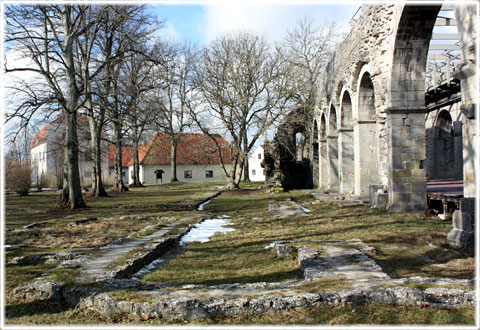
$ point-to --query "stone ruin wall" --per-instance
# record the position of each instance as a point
(368, 47)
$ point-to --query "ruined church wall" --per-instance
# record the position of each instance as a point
(367, 48)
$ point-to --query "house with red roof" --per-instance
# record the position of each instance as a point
(198, 159)
(46, 153)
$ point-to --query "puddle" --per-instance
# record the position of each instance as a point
(148, 268)
(201, 206)
(206, 229)
(304, 209)
(200, 233)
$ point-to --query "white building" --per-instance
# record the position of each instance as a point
(257, 172)
(46, 154)
(197, 159)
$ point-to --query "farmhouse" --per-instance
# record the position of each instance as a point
(196, 154)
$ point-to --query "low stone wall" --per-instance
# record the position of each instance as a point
(193, 309)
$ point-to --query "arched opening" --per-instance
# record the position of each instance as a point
(365, 135)
(332, 150)
(316, 153)
(322, 140)
(444, 148)
(301, 151)
(345, 143)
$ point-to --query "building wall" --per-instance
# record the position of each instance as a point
(38, 156)
(381, 63)
(257, 172)
(147, 173)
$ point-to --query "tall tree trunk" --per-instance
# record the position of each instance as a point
(173, 160)
(136, 162)
(72, 191)
(246, 175)
(119, 184)
(98, 190)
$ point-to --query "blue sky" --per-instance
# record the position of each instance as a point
(203, 22)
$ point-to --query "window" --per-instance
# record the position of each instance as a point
(254, 172)
(209, 174)
(259, 156)
(187, 174)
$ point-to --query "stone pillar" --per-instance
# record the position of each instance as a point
(345, 160)
(462, 232)
(323, 179)
(316, 164)
(366, 158)
(407, 189)
(467, 22)
(332, 172)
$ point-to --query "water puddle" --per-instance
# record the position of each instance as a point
(206, 229)
(200, 233)
(148, 268)
(201, 206)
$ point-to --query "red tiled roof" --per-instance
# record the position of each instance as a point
(39, 138)
(127, 155)
(192, 149)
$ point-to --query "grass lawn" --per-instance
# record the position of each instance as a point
(402, 241)
(169, 201)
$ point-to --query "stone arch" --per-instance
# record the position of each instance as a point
(412, 39)
(346, 145)
(406, 112)
(332, 150)
(322, 140)
(444, 121)
(445, 156)
(365, 133)
(346, 108)
(366, 98)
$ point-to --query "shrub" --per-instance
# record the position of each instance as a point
(18, 176)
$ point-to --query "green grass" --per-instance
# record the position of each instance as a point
(238, 256)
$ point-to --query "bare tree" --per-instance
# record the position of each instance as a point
(47, 35)
(137, 73)
(244, 89)
(174, 92)
(305, 49)
(125, 32)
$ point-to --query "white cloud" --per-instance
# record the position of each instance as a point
(169, 32)
(271, 20)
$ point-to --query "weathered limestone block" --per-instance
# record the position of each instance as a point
(444, 296)
(406, 296)
(40, 290)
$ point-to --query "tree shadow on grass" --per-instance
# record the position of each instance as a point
(35, 307)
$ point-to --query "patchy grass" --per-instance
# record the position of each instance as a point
(132, 296)
(60, 234)
(240, 256)
(358, 314)
(402, 242)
